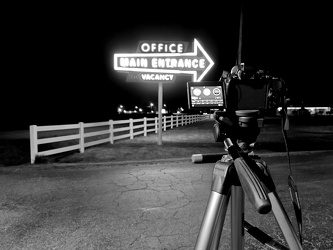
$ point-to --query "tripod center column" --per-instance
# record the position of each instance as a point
(237, 218)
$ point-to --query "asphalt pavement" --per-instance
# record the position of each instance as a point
(156, 205)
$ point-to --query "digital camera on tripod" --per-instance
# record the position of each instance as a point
(240, 100)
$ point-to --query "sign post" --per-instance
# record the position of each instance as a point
(160, 104)
(159, 62)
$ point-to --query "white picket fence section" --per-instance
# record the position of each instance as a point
(82, 135)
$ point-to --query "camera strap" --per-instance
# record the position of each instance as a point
(291, 183)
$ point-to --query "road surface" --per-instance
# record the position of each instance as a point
(150, 205)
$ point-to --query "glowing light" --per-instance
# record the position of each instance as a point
(167, 60)
(162, 47)
(157, 77)
(312, 110)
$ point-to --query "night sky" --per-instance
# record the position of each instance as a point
(57, 59)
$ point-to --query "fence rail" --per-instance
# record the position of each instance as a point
(55, 139)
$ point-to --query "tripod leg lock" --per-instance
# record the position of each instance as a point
(221, 180)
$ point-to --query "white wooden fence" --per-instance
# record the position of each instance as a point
(62, 138)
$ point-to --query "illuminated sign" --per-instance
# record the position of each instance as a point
(161, 61)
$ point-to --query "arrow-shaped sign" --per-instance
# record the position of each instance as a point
(196, 63)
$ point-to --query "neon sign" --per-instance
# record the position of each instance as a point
(161, 61)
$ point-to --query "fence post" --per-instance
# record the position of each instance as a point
(164, 121)
(171, 121)
(81, 132)
(145, 126)
(131, 128)
(33, 143)
(177, 121)
(156, 129)
(111, 131)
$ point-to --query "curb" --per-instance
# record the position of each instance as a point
(205, 158)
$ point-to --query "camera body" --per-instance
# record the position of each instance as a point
(232, 95)
(240, 100)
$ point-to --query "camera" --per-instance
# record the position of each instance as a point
(240, 101)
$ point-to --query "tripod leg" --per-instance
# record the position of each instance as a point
(212, 223)
(219, 225)
(213, 220)
(284, 222)
(237, 218)
(277, 208)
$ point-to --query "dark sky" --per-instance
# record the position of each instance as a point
(56, 58)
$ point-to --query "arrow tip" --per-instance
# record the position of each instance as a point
(211, 63)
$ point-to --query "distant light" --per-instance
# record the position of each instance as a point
(312, 110)
(293, 108)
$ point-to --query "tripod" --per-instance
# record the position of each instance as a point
(235, 175)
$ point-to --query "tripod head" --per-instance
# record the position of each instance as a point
(242, 128)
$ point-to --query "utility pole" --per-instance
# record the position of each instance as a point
(240, 37)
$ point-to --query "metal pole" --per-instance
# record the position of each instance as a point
(240, 38)
(284, 222)
(207, 234)
(160, 103)
(237, 218)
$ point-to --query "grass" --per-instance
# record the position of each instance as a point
(14, 152)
